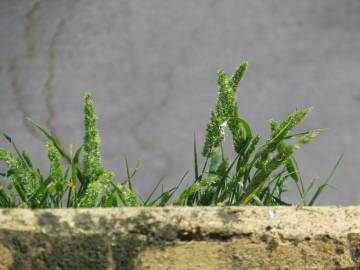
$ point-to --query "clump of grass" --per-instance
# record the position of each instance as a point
(257, 175)
(77, 180)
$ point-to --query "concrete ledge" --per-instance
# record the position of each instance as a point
(181, 238)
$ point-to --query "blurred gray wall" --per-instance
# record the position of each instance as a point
(152, 68)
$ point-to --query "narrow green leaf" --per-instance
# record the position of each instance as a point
(128, 173)
(75, 174)
(27, 159)
(154, 189)
(5, 201)
(196, 167)
(13, 144)
(293, 168)
(53, 139)
(325, 184)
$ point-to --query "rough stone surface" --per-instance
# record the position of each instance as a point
(181, 238)
(152, 68)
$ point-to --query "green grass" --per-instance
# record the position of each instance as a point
(258, 175)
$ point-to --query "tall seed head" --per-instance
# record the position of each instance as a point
(214, 133)
(55, 164)
(226, 111)
(239, 73)
(92, 161)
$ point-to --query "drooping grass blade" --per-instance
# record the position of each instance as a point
(53, 139)
(154, 189)
(196, 167)
(325, 184)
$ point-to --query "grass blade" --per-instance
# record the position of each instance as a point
(154, 189)
(165, 196)
(13, 144)
(196, 167)
(53, 139)
(325, 184)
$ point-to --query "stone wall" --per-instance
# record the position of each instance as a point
(181, 238)
(152, 68)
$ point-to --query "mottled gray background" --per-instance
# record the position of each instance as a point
(152, 68)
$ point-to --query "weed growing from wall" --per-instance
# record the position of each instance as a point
(258, 174)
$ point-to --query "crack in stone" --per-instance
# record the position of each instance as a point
(135, 125)
(30, 21)
(12, 71)
(165, 100)
(49, 88)
(49, 84)
(197, 235)
(20, 102)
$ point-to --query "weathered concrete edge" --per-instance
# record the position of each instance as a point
(181, 238)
